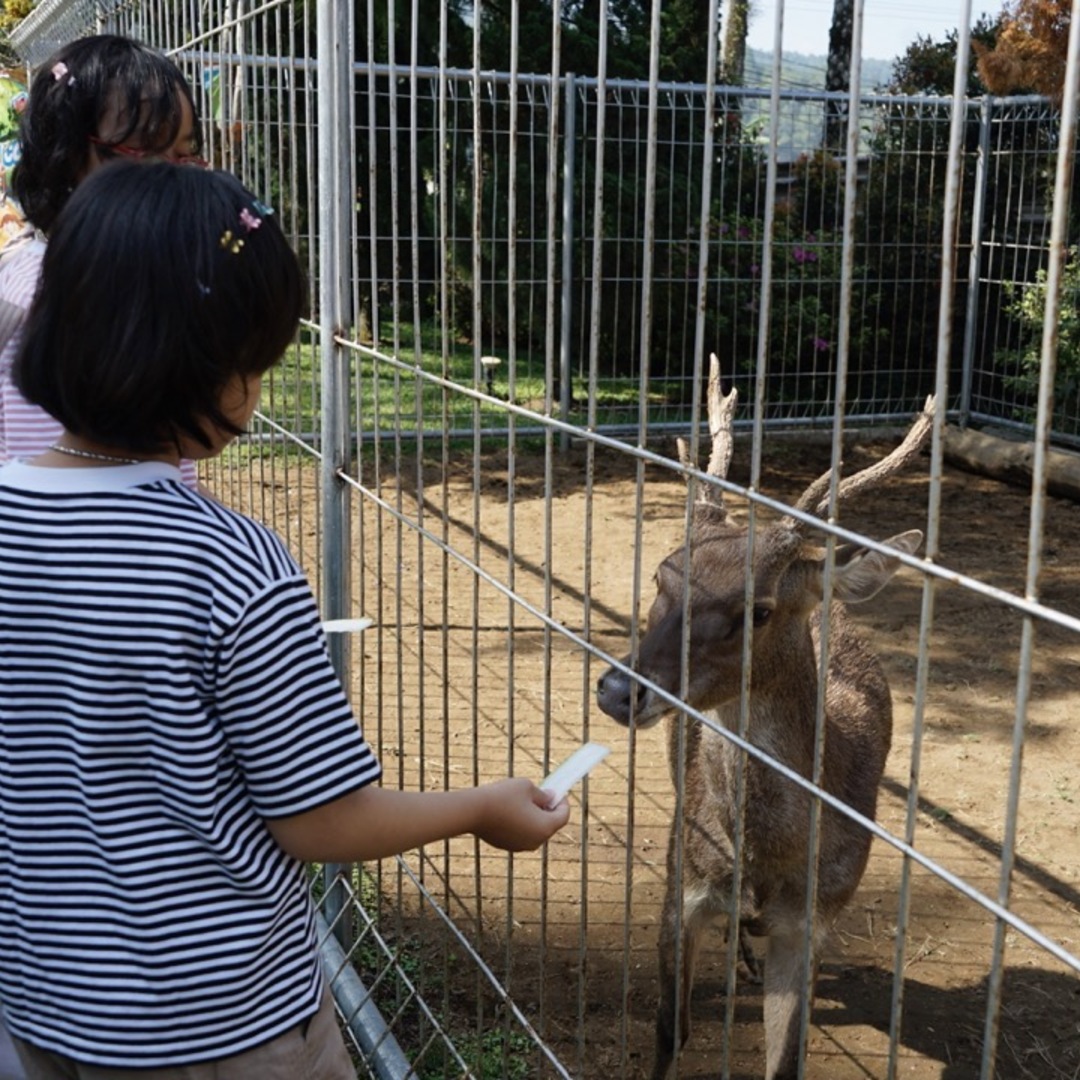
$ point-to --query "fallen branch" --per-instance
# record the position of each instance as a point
(1011, 462)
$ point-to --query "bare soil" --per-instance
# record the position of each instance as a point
(571, 932)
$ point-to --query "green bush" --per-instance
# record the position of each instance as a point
(1022, 365)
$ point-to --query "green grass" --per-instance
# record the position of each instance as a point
(494, 1054)
(396, 397)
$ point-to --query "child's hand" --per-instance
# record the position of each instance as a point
(516, 817)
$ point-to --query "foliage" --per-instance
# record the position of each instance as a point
(1029, 55)
(497, 1054)
(1020, 50)
(12, 12)
(806, 289)
(737, 191)
(904, 197)
(928, 66)
(903, 203)
(683, 45)
(838, 74)
(421, 38)
(1023, 365)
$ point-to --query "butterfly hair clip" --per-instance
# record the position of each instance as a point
(251, 218)
(60, 72)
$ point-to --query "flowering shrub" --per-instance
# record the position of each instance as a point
(804, 309)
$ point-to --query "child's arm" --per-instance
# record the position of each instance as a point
(376, 822)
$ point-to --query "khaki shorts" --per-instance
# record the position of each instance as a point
(313, 1050)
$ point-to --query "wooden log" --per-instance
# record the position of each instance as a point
(1010, 461)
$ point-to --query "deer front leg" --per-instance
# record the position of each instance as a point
(785, 985)
(694, 899)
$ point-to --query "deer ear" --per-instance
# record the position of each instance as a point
(862, 574)
(669, 574)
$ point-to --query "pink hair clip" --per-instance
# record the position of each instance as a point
(59, 70)
(249, 220)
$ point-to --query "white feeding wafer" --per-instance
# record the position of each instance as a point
(346, 626)
(573, 769)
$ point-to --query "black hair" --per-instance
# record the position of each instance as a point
(160, 284)
(71, 94)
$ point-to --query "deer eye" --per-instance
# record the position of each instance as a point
(759, 616)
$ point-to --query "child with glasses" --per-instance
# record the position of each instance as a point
(173, 738)
(94, 100)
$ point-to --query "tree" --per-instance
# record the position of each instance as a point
(684, 37)
(12, 12)
(928, 66)
(733, 64)
(838, 72)
(1029, 56)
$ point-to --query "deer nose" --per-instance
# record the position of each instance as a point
(613, 694)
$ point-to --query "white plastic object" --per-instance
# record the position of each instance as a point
(573, 769)
(346, 626)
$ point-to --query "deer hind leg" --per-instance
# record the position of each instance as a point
(785, 985)
(698, 909)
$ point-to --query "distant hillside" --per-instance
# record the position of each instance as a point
(801, 120)
(801, 72)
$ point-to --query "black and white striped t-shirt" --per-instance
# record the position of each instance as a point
(164, 689)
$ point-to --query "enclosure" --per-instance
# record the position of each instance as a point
(517, 279)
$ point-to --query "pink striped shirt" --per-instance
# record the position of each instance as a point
(27, 430)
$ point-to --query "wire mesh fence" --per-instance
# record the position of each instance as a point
(477, 453)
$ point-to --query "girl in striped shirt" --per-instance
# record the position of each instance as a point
(174, 742)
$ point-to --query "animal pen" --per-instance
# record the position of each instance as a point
(517, 280)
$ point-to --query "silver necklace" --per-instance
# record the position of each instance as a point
(91, 456)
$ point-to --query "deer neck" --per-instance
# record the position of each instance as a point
(783, 694)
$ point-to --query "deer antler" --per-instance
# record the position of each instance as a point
(721, 428)
(814, 499)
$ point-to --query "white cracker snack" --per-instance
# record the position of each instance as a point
(573, 769)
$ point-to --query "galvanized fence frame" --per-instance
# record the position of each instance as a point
(379, 516)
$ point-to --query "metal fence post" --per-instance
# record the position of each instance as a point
(334, 73)
(566, 326)
(978, 212)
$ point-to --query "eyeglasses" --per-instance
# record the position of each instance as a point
(149, 155)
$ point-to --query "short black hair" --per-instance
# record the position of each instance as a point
(70, 95)
(160, 284)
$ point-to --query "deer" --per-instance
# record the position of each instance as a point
(788, 574)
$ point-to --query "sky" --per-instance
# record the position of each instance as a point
(889, 26)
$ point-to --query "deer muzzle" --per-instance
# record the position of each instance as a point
(622, 697)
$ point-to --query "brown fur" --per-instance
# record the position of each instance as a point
(781, 721)
(787, 576)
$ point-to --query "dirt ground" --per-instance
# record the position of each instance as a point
(571, 932)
